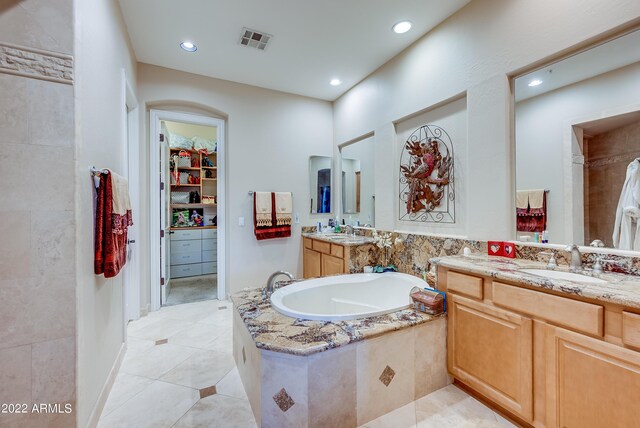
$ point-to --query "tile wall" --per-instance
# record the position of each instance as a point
(37, 215)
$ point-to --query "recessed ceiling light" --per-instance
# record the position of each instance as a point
(535, 82)
(402, 27)
(335, 82)
(188, 46)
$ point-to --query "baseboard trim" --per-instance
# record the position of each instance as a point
(144, 311)
(106, 388)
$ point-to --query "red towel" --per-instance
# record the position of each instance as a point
(110, 241)
(532, 219)
(269, 232)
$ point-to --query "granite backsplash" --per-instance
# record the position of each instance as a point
(413, 254)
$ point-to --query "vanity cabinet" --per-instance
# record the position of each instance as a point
(549, 359)
(590, 383)
(321, 258)
(491, 350)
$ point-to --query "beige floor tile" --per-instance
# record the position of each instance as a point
(218, 411)
(159, 405)
(136, 346)
(157, 361)
(124, 388)
(200, 370)
(404, 417)
(231, 385)
(162, 328)
(197, 336)
(192, 312)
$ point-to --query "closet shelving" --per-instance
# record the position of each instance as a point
(207, 185)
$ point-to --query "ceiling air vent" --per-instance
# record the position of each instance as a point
(254, 39)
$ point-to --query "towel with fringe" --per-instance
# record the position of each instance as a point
(263, 208)
(531, 210)
(273, 230)
(111, 227)
(283, 208)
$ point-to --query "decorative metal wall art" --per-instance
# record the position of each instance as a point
(426, 187)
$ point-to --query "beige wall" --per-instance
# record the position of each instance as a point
(102, 53)
(270, 136)
(472, 52)
(37, 213)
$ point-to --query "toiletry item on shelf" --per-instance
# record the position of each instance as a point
(429, 300)
(337, 228)
(536, 237)
(368, 269)
(331, 222)
(319, 227)
(466, 251)
(545, 237)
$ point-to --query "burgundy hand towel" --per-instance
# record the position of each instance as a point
(110, 245)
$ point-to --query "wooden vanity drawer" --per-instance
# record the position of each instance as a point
(581, 316)
(465, 284)
(631, 329)
(322, 247)
(308, 242)
(337, 250)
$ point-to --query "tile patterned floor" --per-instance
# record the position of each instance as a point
(178, 354)
(193, 289)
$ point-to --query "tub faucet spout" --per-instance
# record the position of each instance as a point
(272, 280)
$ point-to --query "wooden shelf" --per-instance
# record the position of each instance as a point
(209, 167)
(188, 168)
(210, 179)
(191, 205)
(193, 227)
(186, 185)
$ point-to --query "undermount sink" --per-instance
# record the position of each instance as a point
(567, 276)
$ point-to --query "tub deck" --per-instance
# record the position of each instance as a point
(273, 331)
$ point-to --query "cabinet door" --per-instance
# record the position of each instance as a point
(312, 264)
(491, 350)
(590, 383)
(332, 265)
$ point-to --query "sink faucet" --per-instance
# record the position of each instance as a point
(349, 230)
(576, 258)
(272, 280)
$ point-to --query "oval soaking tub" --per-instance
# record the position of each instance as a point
(346, 297)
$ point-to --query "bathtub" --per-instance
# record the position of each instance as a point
(346, 297)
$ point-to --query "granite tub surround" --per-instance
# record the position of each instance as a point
(620, 289)
(276, 332)
(348, 386)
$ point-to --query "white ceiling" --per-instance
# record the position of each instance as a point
(313, 40)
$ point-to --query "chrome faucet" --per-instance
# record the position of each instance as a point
(576, 258)
(268, 290)
(349, 230)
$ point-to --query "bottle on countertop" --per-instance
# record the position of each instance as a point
(545, 237)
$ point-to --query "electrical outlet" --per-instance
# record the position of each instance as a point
(241, 221)
(296, 218)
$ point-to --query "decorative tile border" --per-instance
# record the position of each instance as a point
(387, 376)
(283, 400)
(36, 63)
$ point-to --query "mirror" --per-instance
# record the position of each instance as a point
(320, 184)
(357, 182)
(577, 130)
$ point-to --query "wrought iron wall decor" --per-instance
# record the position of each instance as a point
(426, 187)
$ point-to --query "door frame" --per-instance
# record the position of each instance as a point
(155, 117)
(131, 280)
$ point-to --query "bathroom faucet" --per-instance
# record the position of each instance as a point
(272, 280)
(349, 230)
(576, 258)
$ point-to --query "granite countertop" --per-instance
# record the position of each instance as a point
(620, 289)
(339, 238)
(276, 332)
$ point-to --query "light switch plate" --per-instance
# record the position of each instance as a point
(296, 217)
(241, 221)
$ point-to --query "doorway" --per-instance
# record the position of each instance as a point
(187, 220)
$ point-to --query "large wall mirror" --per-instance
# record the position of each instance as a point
(357, 182)
(320, 184)
(577, 129)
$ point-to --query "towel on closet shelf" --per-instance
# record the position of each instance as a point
(113, 217)
(272, 230)
(531, 210)
(283, 208)
(263, 208)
